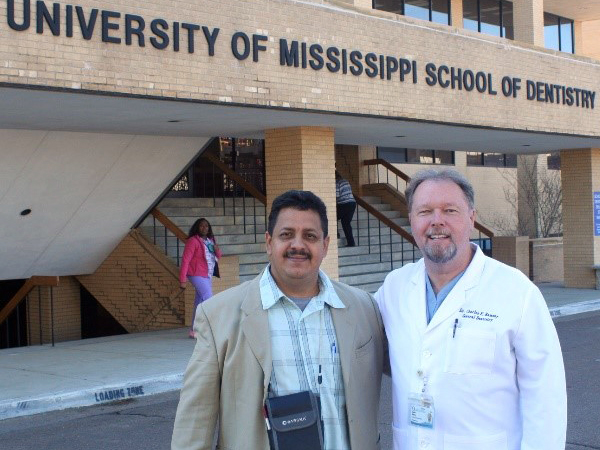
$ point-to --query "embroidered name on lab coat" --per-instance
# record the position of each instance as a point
(475, 314)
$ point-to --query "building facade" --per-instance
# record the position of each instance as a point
(103, 106)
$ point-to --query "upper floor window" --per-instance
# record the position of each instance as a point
(491, 159)
(494, 17)
(558, 33)
(437, 11)
(553, 161)
(415, 156)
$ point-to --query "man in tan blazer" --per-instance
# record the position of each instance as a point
(246, 350)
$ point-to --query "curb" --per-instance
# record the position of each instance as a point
(110, 393)
(92, 396)
(575, 308)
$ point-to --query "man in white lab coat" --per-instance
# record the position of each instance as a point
(476, 362)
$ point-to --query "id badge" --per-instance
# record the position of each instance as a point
(421, 412)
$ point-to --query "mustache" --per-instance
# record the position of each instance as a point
(291, 253)
(438, 232)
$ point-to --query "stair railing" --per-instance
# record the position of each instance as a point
(393, 229)
(6, 313)
(400, 180)
(164, 231)
(168, 231)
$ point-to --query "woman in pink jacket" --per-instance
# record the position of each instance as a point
(198, 264)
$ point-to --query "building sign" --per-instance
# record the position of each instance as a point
(116, 28)
(596, 213)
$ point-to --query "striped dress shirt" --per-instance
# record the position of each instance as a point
(300, 341)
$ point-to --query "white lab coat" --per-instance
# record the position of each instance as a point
(498, 384)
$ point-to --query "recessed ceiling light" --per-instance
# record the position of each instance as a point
(401, 136)
(174, 121)
(26, 212)
(526, 145)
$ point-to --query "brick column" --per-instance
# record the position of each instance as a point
(304, 158)
(528, 17)
(580, 179)
(456, 13)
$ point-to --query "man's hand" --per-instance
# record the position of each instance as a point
(182, 285)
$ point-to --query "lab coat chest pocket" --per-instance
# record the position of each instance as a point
(470, 351)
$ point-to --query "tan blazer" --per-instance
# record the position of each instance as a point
(229, 372)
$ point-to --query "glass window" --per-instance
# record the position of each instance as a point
(510, 160)
(493, 159)
(444, 156)
(419, 9)
(440, 11)
(431, 10)
(474, 159)
(553, 161)
(508, 29)
(489, 13)
(470, 15)
(394, 6)
(566, 36)
(392, 154)
(414, 155)
(551, 39)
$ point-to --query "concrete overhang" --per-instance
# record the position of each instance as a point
(582, 10)
(38, 109)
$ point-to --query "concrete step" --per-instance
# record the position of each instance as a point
(205, 202)
(238, 249)
(366, 267)
(249, 269)
(247, 277)
(371, 288)
(373, 277)
(373, 222)
(370, 199)
(220, 231)
(253, 258)
(213, 211)
(376, 239)
(185, 222)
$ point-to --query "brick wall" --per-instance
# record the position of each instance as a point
(588, 44)
(547, 255)
(138, 286)
(54, 308)
(513, 251)
(73, 63)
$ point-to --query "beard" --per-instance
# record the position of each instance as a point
(440, 254)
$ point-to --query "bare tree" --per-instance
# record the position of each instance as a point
(540, 194)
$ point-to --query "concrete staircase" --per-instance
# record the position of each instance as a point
(364, 266)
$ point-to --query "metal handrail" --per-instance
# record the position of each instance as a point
(392, 228)
(22, 293)
(171, 230)
(483, 230)
(236, 178)
(16, 302)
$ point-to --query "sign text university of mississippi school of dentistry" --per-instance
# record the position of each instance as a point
(115, 28)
